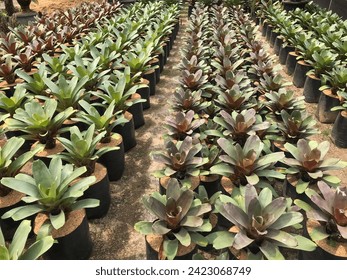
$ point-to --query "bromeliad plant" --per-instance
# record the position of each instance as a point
(53, 190)
(182, 125)
(246, 164)
(11, 104)
(335, 80)
(105, 122)
(67, 92)
(308, 164)
(322, 62)
(120, 92)
(35, 83)
(296, 125)
(40, 122)
(259, 224)
(330, 211)
(186, 100)
(178, 219)
(239, 126)
(10, 162)
(7, 70)
(17, 249)
(283, 100)
(81, 149)
(84, 68)
(236, 98)
(180, 159)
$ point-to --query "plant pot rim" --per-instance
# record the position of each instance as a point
(10, 199)
(340, 248)
(73, 220)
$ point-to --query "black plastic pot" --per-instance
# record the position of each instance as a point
(291, 63)
(114, 161)
(165, 54)
(299, 75)
(176, 28)
(152, 254)
(283, 54)
(99, 190)
(156, 62)
(74, 245)
(311, 89)
(273, 37)
(137, 111)
(268, 32)
(128, 132)
(292, 5)
(264, 29)
(161, 61)
(211, 184)
(145, 94)
(278, 45)
(339, 131)
(151, 77)
(326, 102)
(9, 226)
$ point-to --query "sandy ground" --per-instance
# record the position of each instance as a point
(48, 6)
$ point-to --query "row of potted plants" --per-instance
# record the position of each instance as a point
(314, 51)
(73, 107)
(234, 120)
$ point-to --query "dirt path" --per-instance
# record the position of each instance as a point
(114, 236)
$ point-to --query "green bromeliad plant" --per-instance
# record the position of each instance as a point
(177, 218)
(81, 148)
(103, 122)
(259, 224)
(53, 190)
(17, 250)
(40, 122)
(10, 162)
